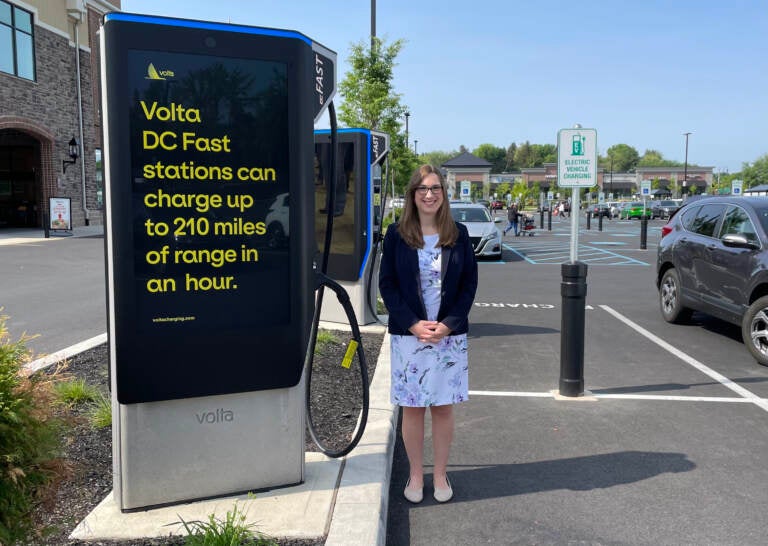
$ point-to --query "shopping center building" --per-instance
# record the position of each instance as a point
(50, 109)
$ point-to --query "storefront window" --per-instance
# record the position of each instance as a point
(17, 49)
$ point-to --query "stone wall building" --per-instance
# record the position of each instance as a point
(467, 167)
(49, 99)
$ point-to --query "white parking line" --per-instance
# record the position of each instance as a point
(675, 398)
(735, 387)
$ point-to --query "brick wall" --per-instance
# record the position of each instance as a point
(47, 109)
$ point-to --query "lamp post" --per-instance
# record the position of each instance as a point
(407, 115)
(416, 147)
(611, 178)
(373, 25)
(685, 169)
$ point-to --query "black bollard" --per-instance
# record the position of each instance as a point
(643, 232)
(549, 221)
(589, 220)
(541, 218)
(573, 290)
(599, 222)
(46, 224)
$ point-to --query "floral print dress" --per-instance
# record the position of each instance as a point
(425, 374)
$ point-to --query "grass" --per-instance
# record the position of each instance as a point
(75, 392)
(325, 338)
(100, 412)
(232, 530)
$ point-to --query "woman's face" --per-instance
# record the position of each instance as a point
(428, 202)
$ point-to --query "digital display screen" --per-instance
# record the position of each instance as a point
(209, 161)
(350, 213)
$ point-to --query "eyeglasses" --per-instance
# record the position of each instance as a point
(436, 190)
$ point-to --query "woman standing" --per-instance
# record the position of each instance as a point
(428, 280)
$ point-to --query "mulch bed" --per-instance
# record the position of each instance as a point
(336, 400)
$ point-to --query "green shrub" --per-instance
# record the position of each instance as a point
(231, 530)
(29, 438)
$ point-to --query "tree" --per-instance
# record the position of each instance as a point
(510, 158)
(436, 158)
(624, 157)
(755, 173)
(545, 153)
(520, 191)
(525, 156)
(494, 155)
(503, 189)
(370, 102)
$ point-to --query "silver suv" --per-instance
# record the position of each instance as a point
(713, 258)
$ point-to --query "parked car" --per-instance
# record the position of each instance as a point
(614, 208)
(483, 232)
(600, 209)
(713, 258)
(635, 209)
(497, 205)
(664, 208)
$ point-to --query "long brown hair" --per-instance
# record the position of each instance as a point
(409, 225)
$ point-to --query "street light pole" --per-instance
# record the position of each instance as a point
(612, 178)
(373, 25)
(415, 146)
(685, 169)
(407, 115)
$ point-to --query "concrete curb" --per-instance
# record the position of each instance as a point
(360, 514)
(64, 354)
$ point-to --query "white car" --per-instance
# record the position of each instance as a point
(485, 236)
(277, 222)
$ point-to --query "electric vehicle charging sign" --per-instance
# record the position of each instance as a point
(736, 186)
(208, 131)
(577, 158)
(645, 188)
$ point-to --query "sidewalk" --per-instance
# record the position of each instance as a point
(17, 236)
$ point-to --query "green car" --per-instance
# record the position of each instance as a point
(634, 210)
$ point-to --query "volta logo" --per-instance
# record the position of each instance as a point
(219, 415)
(153, 74)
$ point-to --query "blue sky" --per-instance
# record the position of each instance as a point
(500, 71)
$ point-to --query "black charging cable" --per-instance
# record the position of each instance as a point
(322, 280)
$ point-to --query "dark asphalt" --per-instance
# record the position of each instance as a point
(666, 455)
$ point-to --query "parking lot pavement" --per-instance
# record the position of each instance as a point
(667, 449)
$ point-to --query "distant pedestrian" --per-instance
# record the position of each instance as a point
(561, 209)
(513, 215)
(428, 280)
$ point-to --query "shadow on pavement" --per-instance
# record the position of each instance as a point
(483, 329)
(472, 483)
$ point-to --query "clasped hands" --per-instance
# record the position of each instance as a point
(429, 331)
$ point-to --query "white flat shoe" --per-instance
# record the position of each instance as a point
(412, 494)
(444, 495)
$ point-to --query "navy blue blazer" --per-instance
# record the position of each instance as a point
(400, 286)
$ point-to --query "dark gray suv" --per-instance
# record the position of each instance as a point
(713, 258)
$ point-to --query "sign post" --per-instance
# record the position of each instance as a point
(736, 187)
(576, 168)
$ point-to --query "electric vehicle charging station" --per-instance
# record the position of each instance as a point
(207, 139)
(357, 216)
